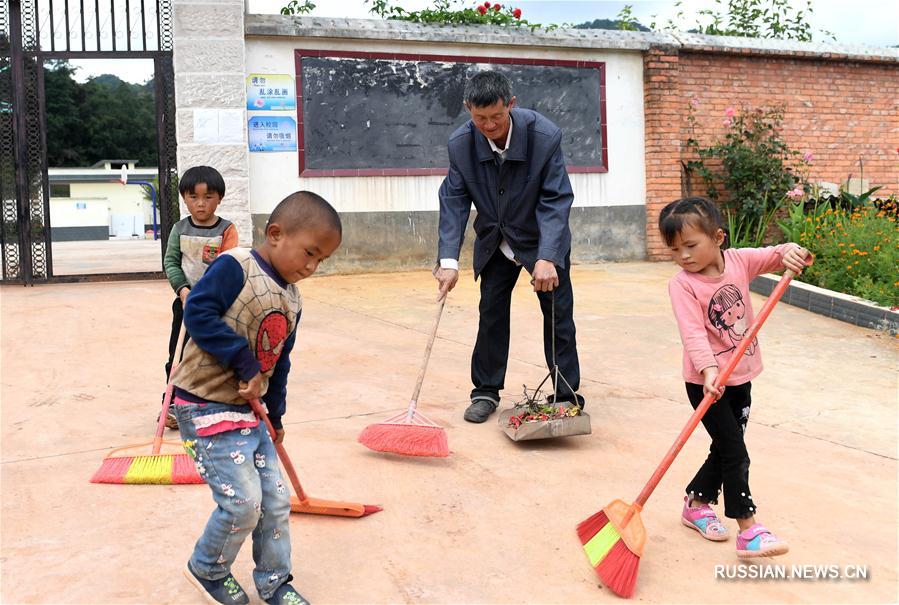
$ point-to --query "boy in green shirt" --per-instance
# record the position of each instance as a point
(193, 244)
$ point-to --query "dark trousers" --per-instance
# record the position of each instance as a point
(491, 350)
(728, 460)
(177, 318)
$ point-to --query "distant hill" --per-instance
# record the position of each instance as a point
(608, 24)
(114, 81)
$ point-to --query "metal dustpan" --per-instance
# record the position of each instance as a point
(536, 418)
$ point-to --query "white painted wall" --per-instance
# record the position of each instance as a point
(275, 175)
(64, 212)
(114, 199)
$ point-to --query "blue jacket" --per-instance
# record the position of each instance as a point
(526, 200)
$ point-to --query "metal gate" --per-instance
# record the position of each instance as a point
(31, 32)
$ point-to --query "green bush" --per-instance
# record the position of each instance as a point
(856, 249)
(755, 166)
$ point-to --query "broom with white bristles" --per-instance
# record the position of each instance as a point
(410, 433)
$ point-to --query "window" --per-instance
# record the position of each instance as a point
(60, 190)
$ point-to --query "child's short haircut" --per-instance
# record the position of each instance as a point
(698, 212)
(206, 175)
(305, 210)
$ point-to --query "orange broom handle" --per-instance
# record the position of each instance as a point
(169, 389)
(424, 363)
(707, 401)
(282, 453)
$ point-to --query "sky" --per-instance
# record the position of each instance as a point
(869, 22)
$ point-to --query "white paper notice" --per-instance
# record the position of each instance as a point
(206, 125)
(231, 125)
(218, 126)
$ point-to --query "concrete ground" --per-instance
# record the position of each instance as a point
(107, 256)
(493, 523)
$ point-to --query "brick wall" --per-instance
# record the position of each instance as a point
(837, 109)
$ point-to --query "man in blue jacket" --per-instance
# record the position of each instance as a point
(508, 163)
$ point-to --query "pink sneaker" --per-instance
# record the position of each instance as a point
(757, 541)
(704, 520)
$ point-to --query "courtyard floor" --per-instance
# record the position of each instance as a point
(82, 372)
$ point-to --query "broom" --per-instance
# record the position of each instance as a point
(614, 537)
(174, 467)
(300, 502)
(410, 433)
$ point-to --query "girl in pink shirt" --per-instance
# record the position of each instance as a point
(710, 297)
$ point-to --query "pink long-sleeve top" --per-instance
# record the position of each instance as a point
(713, 313)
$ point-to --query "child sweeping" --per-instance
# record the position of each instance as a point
(242, 317)
(710, 297)
(194, 242)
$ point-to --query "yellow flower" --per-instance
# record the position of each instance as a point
(876, 248)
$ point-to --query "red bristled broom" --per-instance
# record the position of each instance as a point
(410, 433)
(170, 468)
(614, 537)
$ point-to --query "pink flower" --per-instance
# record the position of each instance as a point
(727, 122)
(694, 102)
(730, 112)
(717, 308)
(807, 156)
(795, 193)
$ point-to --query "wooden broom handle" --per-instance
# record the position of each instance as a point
(282, 453)
(169, 389)
(424, 363)
(707, 401)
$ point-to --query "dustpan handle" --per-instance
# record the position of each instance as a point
(424, 363)
(169, 389)
(707, 401)
(282, 453)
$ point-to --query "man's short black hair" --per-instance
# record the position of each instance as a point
(305, 210)
(486, 88)
(206, 175)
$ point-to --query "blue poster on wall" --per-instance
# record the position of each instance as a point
(272, 133)
(271, 91)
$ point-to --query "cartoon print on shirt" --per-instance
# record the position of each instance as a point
(270, 340)
(727, 312)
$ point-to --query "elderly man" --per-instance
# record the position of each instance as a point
(508, 163)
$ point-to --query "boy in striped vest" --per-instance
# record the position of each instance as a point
(242, 316)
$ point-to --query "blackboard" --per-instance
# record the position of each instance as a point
(367, 114)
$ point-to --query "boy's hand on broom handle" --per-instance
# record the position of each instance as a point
(279, 436)
(709, 375)
(252, 388)
(797, 258)
(182, 294)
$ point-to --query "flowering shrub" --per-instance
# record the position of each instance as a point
(493, 13)
(758, 170)
(856, 248)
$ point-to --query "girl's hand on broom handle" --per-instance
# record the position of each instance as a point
(709, 375)
(797, 258)
(252, 389)
(279, 436)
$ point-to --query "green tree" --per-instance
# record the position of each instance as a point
(103, 118)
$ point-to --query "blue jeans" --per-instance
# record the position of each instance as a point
(241, 468)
